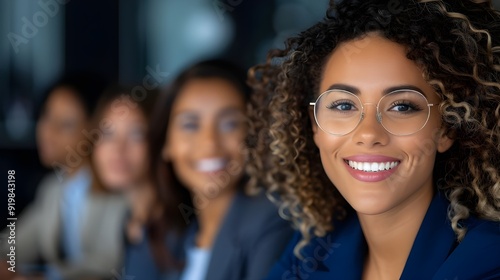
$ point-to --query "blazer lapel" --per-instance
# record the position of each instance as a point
(346, 247)
(434, 242)
(226, 250)
(342, 252)
(50, 232)
(91, 210)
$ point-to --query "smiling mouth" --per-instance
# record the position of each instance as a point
(372, 166)
(210, 165)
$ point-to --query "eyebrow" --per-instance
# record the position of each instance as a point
(356, 91)
(194, 114)
(230, 111)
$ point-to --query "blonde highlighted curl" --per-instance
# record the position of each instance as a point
(456, 43)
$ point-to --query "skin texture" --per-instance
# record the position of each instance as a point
(60, 127)
(391, 210)
(120, 156)
(207, 124)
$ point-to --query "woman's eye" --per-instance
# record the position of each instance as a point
(67, 126)
(404, 107)
(401, 108)
(341, 106)
(189, 126)
(229, 125)
(107, 134)
(137, 135)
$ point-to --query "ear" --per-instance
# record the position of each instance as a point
(444, 141)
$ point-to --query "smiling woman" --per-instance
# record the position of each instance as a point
(374, 72)
(379, 128)
(211, 224)
(214, 123)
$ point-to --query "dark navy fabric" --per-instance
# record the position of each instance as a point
(435, 253)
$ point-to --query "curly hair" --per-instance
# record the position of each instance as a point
(455, 43)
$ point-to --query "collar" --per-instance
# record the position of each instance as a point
(79, 182)
(346, 246)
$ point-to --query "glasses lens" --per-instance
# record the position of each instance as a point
(404, 112)
(338, 112)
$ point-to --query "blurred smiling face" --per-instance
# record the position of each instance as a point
(60, 126)
(377, 171)
(205, 136)
(120, 157)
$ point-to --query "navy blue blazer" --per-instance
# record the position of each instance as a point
(435, 253)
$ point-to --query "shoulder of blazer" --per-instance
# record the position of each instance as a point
(50, 187)
(256, 213)
(102, 232)
(477, 256)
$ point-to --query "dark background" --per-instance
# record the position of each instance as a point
(43, 39)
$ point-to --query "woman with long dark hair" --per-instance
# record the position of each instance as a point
(212, 225)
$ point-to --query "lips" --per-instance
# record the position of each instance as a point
(119, 166)
(371, 168)
(210, 164)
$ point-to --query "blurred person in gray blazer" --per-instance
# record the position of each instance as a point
(68, 232)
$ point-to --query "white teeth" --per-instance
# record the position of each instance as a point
(367, 167)
(211, 164)
(373, 166)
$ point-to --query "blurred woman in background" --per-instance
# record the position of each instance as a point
(121, 162)
(198, 152)
(61, 227)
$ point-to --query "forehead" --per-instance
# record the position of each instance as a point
(63, 101)
(120, 111)
(372, 64)
(208, 95)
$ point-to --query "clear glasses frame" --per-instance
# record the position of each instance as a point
(379, 115)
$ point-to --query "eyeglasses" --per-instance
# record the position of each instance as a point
(401, 112)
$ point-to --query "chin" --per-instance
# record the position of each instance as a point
(371, 210)
(114, 187)
(370, 205)
(116, 184)
(47, 159)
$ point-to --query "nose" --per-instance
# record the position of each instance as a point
(370, 131)
(208, 140)
(120, 143)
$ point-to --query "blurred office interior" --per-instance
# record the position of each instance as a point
(124, 41)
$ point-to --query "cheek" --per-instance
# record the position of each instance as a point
(423, 144)
(234, 146)
(179, 150)
(329, 147)
(70, 139)
(138, 155)
(99, 155)
(328, 144)
(421, 152)
(47, 138)
(234, 143)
